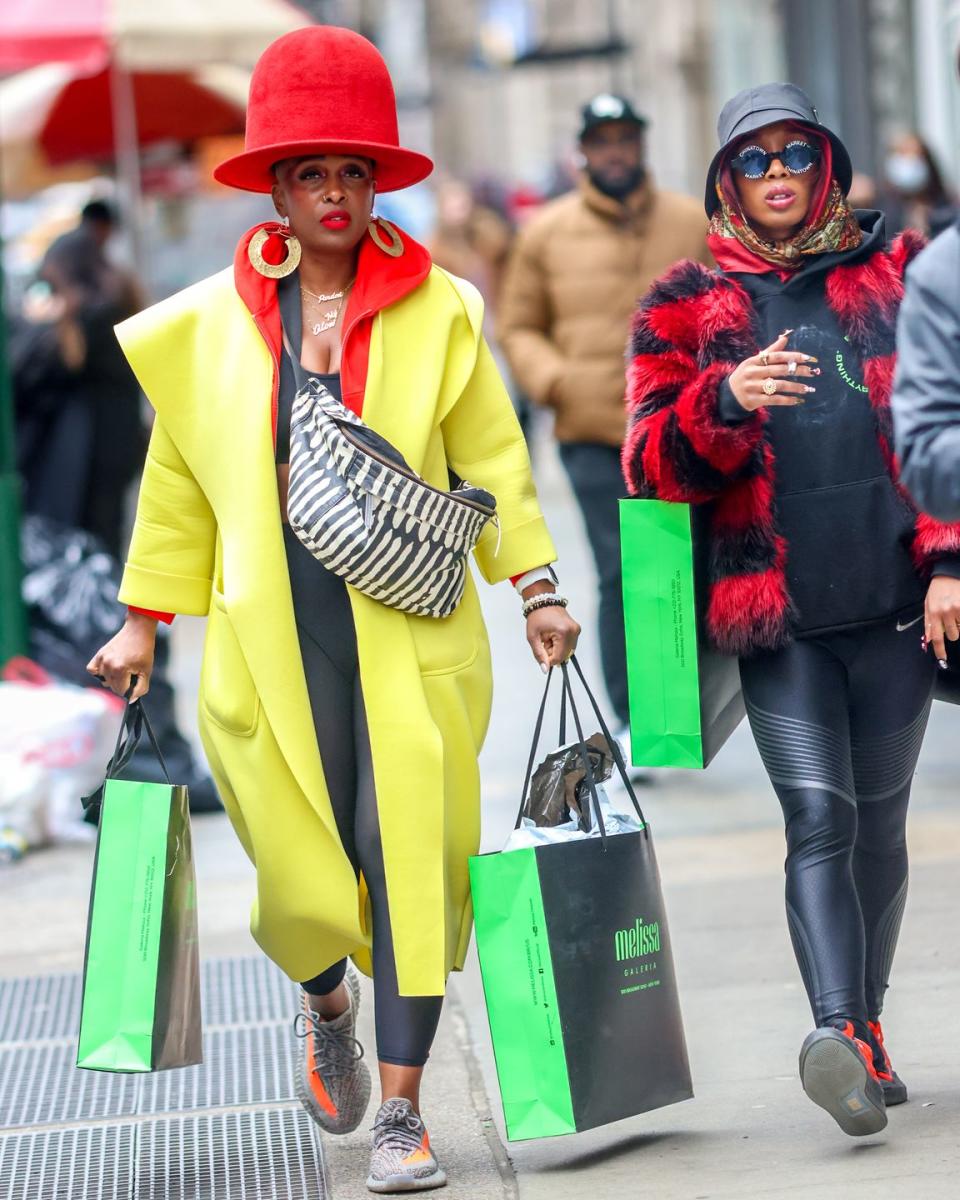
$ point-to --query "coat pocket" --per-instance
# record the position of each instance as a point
(227, 692)
(446, 645)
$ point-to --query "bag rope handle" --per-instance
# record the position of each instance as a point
(567, 697)
(135, 720)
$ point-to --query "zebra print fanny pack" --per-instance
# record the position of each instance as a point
(363, 512)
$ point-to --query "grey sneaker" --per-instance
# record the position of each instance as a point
(333, 1083)
(401, 1160)
(837, 1073)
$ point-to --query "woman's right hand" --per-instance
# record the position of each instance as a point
(128, 657)
(748, 379)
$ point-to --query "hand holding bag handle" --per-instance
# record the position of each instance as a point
(135, 720)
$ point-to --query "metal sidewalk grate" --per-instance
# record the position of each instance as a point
(68, 1164)
(148, 1137)
(236, 991)
(254, 1156)
(243, 991)
(240, 1067)
(42, 1008)
(40, 1085)
(272, 1155)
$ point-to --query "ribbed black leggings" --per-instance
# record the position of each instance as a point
(839, 721)
(406, 1025)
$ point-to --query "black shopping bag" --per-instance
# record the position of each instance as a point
(578, 973)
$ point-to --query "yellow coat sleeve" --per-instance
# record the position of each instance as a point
(485, 445)
(170, 564)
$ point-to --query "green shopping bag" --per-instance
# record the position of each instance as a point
(685, 697)
(141, 980)
(578, 971)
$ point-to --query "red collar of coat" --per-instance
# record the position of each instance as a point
(381, 281)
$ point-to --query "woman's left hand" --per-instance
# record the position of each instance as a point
(552, 634)
(942, 615)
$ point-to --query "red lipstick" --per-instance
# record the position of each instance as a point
(337, 218)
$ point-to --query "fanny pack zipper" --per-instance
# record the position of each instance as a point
(410, 474)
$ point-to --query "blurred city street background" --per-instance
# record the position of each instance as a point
(134, 109)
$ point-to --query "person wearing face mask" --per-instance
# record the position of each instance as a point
(573, 278)
(762, 391)
(916, 196)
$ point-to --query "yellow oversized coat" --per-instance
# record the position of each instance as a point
(208, 541)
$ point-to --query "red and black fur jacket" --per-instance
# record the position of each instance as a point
(692, 329)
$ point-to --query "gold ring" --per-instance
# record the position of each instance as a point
(764, 358)
(792, 367)
(769, 386)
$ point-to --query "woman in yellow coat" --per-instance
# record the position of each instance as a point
(343, 734)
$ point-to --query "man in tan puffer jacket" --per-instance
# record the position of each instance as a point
(574, 278)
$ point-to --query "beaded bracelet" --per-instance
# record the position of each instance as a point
(544, 600)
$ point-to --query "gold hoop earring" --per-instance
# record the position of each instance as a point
(274, 270)
(395, 246)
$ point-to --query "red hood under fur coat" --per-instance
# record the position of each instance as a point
(691, 331)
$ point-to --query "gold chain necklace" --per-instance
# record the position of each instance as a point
(330, 317)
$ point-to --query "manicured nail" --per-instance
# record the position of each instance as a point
(942, 664)
(810, 389)
(811, 358)
(816, 370)
(544, 668)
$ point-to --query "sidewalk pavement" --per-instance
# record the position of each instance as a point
(750, 1131)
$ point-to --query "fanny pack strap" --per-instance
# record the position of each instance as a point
(301, 378)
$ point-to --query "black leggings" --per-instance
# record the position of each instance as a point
(839, 721)
(406, 1025)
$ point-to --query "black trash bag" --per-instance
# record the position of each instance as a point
(70, 586)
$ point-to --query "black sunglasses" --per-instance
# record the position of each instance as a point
(753, 162)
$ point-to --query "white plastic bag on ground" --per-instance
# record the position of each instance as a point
(54, 740)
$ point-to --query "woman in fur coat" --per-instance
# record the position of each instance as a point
(763, 389)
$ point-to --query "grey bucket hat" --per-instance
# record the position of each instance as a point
(752, 109)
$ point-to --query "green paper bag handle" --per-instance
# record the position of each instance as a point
(567, 696)
(135, 720)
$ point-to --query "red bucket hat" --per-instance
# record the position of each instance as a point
(322, 90)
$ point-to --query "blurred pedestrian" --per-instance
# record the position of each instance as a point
(575, 274)
(53, 424)
(863, 191)
(915, 195)
(93, 295)
(472, 240)
(763, 389)
(926, 398)
(342, 723)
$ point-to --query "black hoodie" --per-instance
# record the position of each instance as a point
(848, 531)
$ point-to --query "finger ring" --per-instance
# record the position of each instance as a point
(792, 367)
(769, 386)
(764, 358)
